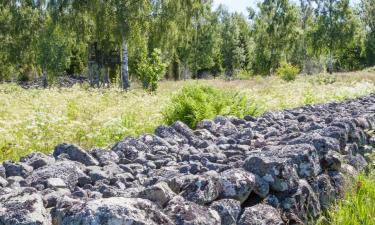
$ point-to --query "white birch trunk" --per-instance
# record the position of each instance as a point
(330, 69)
(45, 79)
(124, 65)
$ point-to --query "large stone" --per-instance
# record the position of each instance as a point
(37, 160)
(304, 203)
(17, 169)
(76, 154)
(228, 210)
(55, 183)
(204, 189)
(159, 193)
(2, 171)
(324, 190)
(280, 173)
(189, 213)
(23, 207)
(260, 214)
(238, 184)
(113, 211)
(3, 182)
(68, 171)
(321, 144)
(105, 157)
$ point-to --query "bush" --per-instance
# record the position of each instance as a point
(287, 72)
(195, 103)
(151, 70)
(243, 74)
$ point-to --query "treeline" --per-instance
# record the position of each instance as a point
(178, 39)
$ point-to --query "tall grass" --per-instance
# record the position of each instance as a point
(358, 207)
(37, 119)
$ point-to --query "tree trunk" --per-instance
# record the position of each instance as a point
(90, 67)
(185, 71)
(45, 79)
(330, 66)
(124, 65)
(176, 70)
(106, 77)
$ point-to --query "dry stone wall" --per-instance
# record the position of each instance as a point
(281, 168)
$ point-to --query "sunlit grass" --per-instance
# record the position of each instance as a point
(37, 119)
(358, 207)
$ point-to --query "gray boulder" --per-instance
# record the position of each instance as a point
(324, 190)
(105, 157)
(113, 211)
(228, 210)
(189, 213)
(304, 203)
(76, 154)
(260, 214)
(280, 173)
(238, 184)
(37, 160)
(68, 171)
(23, 207)
(204, 189)
(3, 182)
(16, 181)
(17, 169)
(55, 183)
(2, 171)
(52, 197)
(159, 193)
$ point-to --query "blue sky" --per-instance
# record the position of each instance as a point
(240, 5)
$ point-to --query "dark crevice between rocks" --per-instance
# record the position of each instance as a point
(252, 200)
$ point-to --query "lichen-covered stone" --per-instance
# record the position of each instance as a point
(113, 211)
(23, 207)
(260, 214)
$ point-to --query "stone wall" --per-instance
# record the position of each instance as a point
(281, 168)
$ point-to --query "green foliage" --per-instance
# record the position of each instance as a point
(337, 32)
(368, 17)
(194, 39)
(53, 49)
(243, 75)
(275, 32)
(151, 70)
(287, 72)
(236, 42)
(195, 103)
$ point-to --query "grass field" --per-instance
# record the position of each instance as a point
(37, 119)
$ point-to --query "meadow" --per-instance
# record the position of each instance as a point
(38, 119)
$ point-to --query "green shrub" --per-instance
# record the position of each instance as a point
(150, 70)
(195, 103)
(243, 74)
(287, 72)
(23, 77)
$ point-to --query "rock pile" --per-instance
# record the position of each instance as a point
(281, 168)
